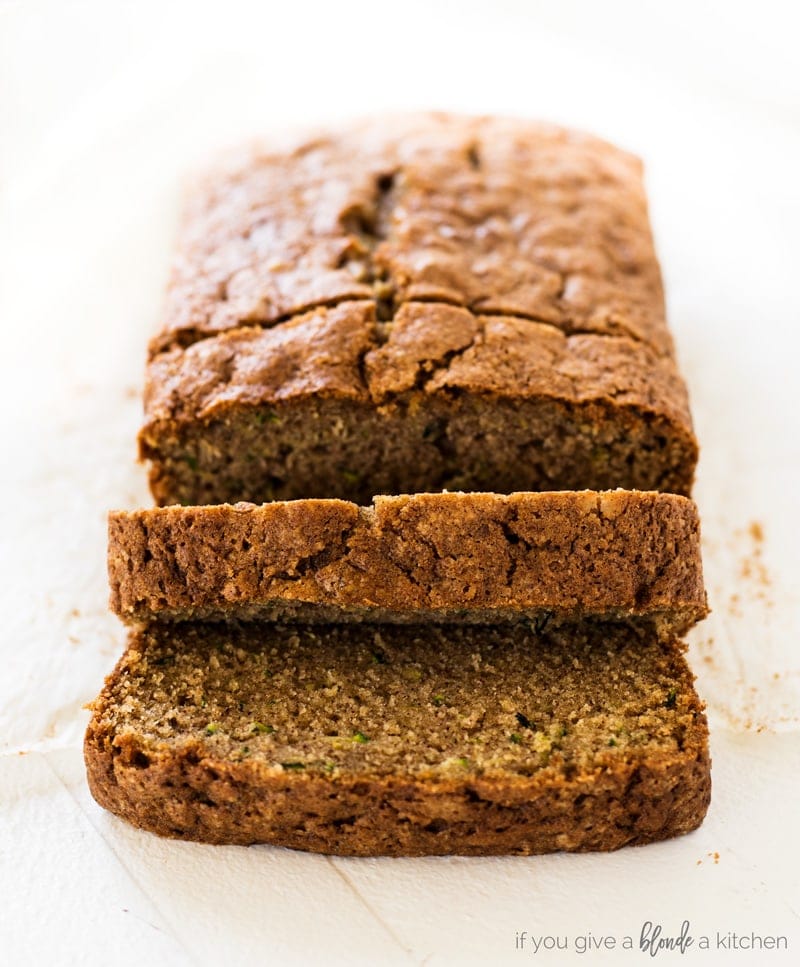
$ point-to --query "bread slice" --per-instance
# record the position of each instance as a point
(427, 303)
(401, 740)
(455, 558)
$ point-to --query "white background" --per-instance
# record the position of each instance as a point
(103, 106)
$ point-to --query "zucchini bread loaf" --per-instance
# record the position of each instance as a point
(455, 558)
(401, 740)
(429, 303)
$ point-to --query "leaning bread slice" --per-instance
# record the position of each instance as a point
(454, 558)
(401, 740)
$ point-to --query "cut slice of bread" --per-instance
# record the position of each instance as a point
(401, 740)
(453, 558)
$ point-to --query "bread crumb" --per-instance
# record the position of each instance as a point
(755, 580)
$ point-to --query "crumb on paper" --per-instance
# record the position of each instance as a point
(751, 564)
(705, 649)
(752, 581)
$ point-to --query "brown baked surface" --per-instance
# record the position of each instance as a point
(456, 558)
(374, 309)
(502, 216)
(401, 740)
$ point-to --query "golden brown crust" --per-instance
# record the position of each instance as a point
(501, 216)
(575, 793)
(318, 354)
(629, 806)
(452, 557)
(342, 353)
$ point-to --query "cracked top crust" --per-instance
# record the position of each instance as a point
(502, 217)
(344, 352)
(466, 557)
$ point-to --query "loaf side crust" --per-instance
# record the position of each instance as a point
(627, 806)
(450, 557)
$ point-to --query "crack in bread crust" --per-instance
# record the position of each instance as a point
(384, 315)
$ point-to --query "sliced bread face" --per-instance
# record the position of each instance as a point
(557, 558)
(401, 740)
